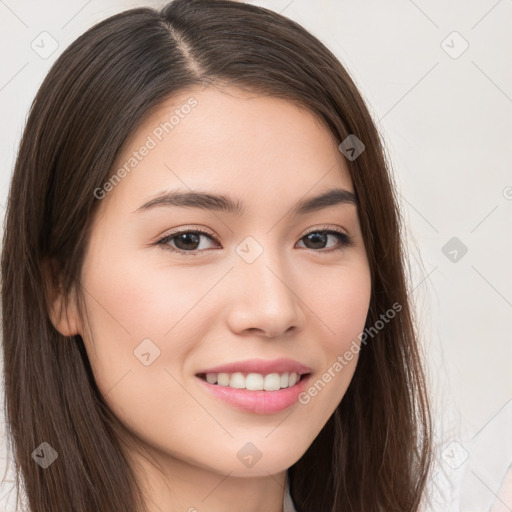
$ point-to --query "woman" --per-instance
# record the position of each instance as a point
(274, 368)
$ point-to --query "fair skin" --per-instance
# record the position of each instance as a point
(295, 300)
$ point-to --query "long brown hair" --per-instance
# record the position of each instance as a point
(374, 453)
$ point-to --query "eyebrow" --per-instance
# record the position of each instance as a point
(223, 203)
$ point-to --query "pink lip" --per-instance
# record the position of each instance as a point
(263, 366)
(258, 402)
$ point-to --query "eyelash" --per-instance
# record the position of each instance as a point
(345, 240)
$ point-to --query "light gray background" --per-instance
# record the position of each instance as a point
(445, 116)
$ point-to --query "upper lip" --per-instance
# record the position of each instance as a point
(263, 366)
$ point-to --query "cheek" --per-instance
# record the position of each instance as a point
(142, 329)
(343, 306)
(342, 311)
(140, 295)
(140, 310)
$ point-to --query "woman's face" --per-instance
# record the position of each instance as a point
(251, 296)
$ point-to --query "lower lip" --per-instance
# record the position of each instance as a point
(258, 402)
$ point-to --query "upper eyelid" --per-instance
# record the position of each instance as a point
(206, 231)
(202, 231)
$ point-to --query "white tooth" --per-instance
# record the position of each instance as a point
(211, 378)
(237, 381)
(254, 382)
(272, 382)
(223, 379)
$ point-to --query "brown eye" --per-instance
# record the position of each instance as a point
(316, 240)
(184, 241)
(189, 241)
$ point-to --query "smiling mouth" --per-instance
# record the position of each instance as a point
(254, 381)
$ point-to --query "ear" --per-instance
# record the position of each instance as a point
(63, 313)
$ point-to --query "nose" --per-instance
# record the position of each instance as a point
(265, 300)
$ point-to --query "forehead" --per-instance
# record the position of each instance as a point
(230, 141)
